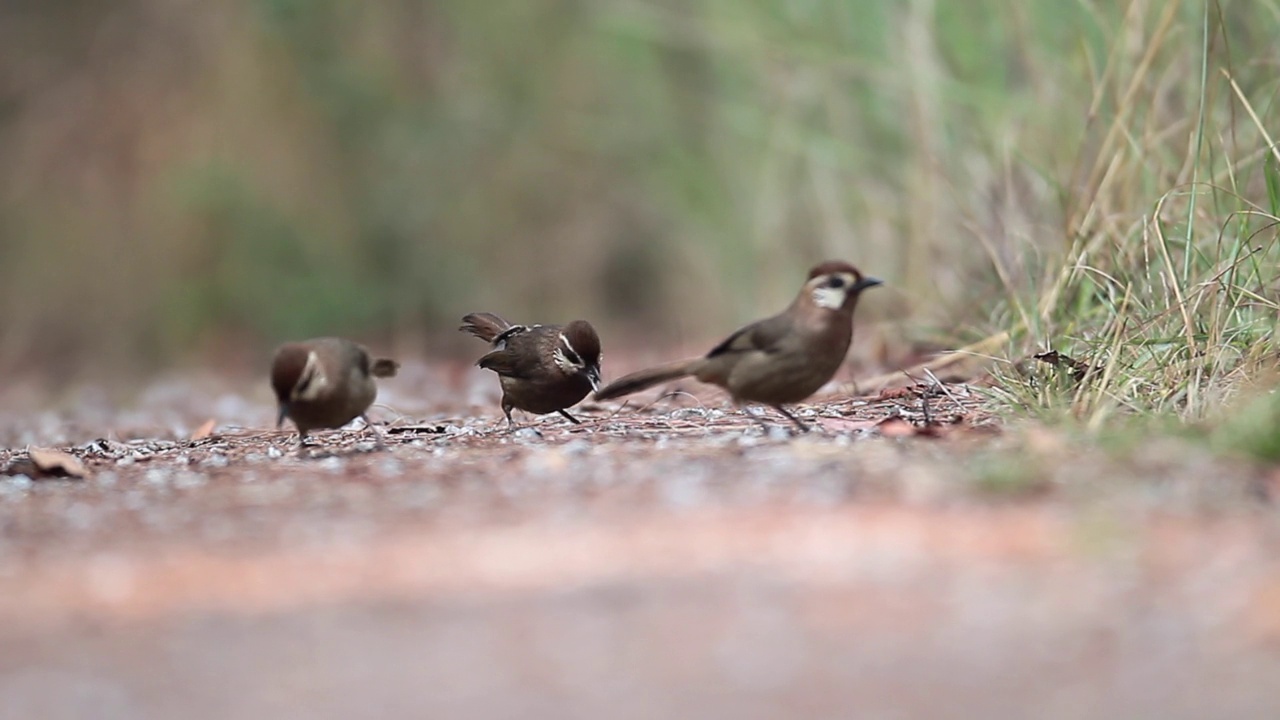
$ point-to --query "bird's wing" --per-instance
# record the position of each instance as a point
(512, 355)
(761, 336)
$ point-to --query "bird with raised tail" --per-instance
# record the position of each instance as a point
(542, 368)
(779, 360)
(325, 383)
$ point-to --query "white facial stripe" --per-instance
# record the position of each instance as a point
(832, 298)
(568, 346)
(312, 380)
(562, 357)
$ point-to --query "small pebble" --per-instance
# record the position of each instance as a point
(777, 433)
(217, 461)
(527, 434)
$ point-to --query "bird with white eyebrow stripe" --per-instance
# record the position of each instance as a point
(326, 383)
(542, 368)
(781, 359)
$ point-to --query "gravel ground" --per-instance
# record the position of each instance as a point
(673, 559)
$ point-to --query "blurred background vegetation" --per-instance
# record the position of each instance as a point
(179, 176)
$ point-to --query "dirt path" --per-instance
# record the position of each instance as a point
(666, 564)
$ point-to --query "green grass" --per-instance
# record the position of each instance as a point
(1168, 287)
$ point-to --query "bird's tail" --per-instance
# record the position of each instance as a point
(645, 379)
(384, 368)
(485, 326)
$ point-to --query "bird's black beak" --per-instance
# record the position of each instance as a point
(867, 282)
(593, 374)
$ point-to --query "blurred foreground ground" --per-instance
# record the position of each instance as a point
(674, 561)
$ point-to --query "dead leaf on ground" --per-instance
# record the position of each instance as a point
(205, 431)
(897, 426)
(920, 390)
(47, 463)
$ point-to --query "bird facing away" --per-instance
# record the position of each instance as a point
(542, 368)
(326, 383)
(779, 360)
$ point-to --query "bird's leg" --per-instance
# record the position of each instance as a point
(787, 414)
(303, 445)
(569, 417)
(378, 444)
(506, 410)
(750, 411)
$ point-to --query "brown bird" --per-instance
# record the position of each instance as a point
(542, 368)
(326, 383)
(779, 360)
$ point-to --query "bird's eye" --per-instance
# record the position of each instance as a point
(572, 356)
(835, 281)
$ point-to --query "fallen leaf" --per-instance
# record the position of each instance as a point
(55, 463)
(897, 393)
(205, 431)
(919, 390)
(896, 426)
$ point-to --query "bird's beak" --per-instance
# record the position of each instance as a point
(867, 282)
(593, 374)
(283, 413)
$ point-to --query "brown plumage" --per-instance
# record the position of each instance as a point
(779, 360)
(542, 368)
(326, 383)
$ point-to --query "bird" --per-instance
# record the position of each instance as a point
(779, 360)
(542, 368)
(326, 383)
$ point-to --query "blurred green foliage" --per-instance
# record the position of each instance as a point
(279, 168)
